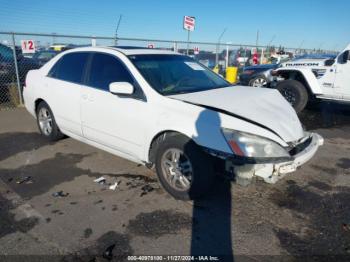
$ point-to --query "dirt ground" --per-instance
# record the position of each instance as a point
(306, 215)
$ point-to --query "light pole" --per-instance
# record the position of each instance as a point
(116, 30)
(218, 47)
(273, 38)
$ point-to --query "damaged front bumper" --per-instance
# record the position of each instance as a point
(272, 170)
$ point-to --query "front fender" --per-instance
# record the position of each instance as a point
(201, 125)
(308, 76)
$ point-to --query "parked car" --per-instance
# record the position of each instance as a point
(42, 57)
(258, 75)
(8, 71)
(166, 110)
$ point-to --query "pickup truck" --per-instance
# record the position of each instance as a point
(304, 81)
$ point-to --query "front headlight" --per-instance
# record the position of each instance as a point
(249, 145)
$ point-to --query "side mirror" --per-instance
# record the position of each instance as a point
(121, 88)
(329, 62)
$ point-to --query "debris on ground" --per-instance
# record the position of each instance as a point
(146, 189)
(27, 180)
(115, 185)
(60, 194)
(346, 227)
(101, 180)
(108, 253)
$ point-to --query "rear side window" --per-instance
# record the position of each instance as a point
(70, 67)
(106, 69)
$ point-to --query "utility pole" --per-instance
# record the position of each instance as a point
(319, 48)
(218, 47)
(116, 30)
(273, 38)
(301, 44)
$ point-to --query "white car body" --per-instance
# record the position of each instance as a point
(126, 127)
(324, 82)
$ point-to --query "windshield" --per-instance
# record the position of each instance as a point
(176, 74)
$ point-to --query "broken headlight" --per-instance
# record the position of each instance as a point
(249, 145)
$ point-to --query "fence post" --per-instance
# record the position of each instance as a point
(16, 68)
(175, 46)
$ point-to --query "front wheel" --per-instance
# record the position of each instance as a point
(46, 122)
(295, 93)
(183, 169)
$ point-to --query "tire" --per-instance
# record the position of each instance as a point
(46, 122)
(258, 81)
(200, 177)
(295, 93)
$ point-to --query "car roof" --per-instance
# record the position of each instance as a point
(127, 50)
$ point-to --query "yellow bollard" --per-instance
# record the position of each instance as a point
(231, 74)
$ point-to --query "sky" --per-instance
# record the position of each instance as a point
(316, 24)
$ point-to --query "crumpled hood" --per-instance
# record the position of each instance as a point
(267, 107)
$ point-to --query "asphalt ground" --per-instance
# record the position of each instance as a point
(305, 215)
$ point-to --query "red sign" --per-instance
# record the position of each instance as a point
(189, 23)
(150, 46)
(28, 46)
(196, 50)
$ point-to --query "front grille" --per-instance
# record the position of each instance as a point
(300, 147)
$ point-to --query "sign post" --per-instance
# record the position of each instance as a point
(189, 23)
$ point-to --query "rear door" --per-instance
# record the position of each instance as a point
(63, 85)
(108, 119)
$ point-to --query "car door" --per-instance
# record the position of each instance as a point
(342, 78)
(108, 119)
(63, 87)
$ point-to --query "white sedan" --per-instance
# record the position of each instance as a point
(163, 109)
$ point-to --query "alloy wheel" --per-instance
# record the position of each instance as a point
(45, 121)
(177, 169)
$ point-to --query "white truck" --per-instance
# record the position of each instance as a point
(303, 81)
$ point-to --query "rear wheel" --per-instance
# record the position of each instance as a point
(46, 122)
(183, 169)
(295, 93)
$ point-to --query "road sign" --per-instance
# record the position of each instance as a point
(28, 46)
(189, 23)
(150, 46)
(196, 50)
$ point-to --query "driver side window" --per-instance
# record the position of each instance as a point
(106, 69)
(344, 57)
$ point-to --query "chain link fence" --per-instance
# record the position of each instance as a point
(15, 61)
